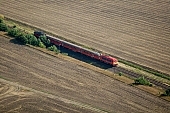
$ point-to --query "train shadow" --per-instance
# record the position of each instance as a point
(84, 58)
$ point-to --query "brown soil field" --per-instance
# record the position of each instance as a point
(32, 81)
(138, 31)
(18, 99)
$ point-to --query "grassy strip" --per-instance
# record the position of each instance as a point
(145, 69)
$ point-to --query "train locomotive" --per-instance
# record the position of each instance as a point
(58, 42)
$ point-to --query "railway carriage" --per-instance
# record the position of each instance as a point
(56, 41)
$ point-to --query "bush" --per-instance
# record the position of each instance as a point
(142, 81)
(3, 27)
(120, 73)
(22, 38)
(54, 48)
(14, 32)
(167, 92)
(1, 20)
(45, 41)
(41, 45)
(32, 39)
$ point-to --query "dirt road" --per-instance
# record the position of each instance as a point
(42, 75)
(137, 31)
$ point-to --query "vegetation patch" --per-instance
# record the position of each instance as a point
(120, 73)
(24, 37)
(54, 48)
(166, 93)
(142, 81)
(3, 26)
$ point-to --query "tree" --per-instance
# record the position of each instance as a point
(54, 48)
(14, 32)
(32, 39)
(1, 20)
(3, 27)
(45, 41)
(22, 38)
(41, 45)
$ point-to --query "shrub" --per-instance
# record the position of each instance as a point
(142, 81)
(3, 27)
(14, 32)
(32, 39)
(22, 38)
(45, 41)
(41, 45)
(1, 20)
(120, 73)
(54, 48)
(167, 92)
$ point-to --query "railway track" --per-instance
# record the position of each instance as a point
(134, 75)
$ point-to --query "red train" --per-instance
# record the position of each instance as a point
(104, 58)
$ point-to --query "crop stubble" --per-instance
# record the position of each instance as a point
(136, 31)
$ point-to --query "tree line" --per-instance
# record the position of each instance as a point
(24, 37)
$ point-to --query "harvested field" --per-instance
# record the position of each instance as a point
(14, 98)
(41, 82)
(137, 31)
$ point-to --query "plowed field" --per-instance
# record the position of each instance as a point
(37, 82)
(137, 31)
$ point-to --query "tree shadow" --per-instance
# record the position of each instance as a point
(14, 41)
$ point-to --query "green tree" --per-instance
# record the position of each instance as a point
(45, 41)
(32, 39)
(1, 20)
(14, 32)
(53, 48)
(48, 43)
(3, 27)
(22, 38)
(41, 45)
